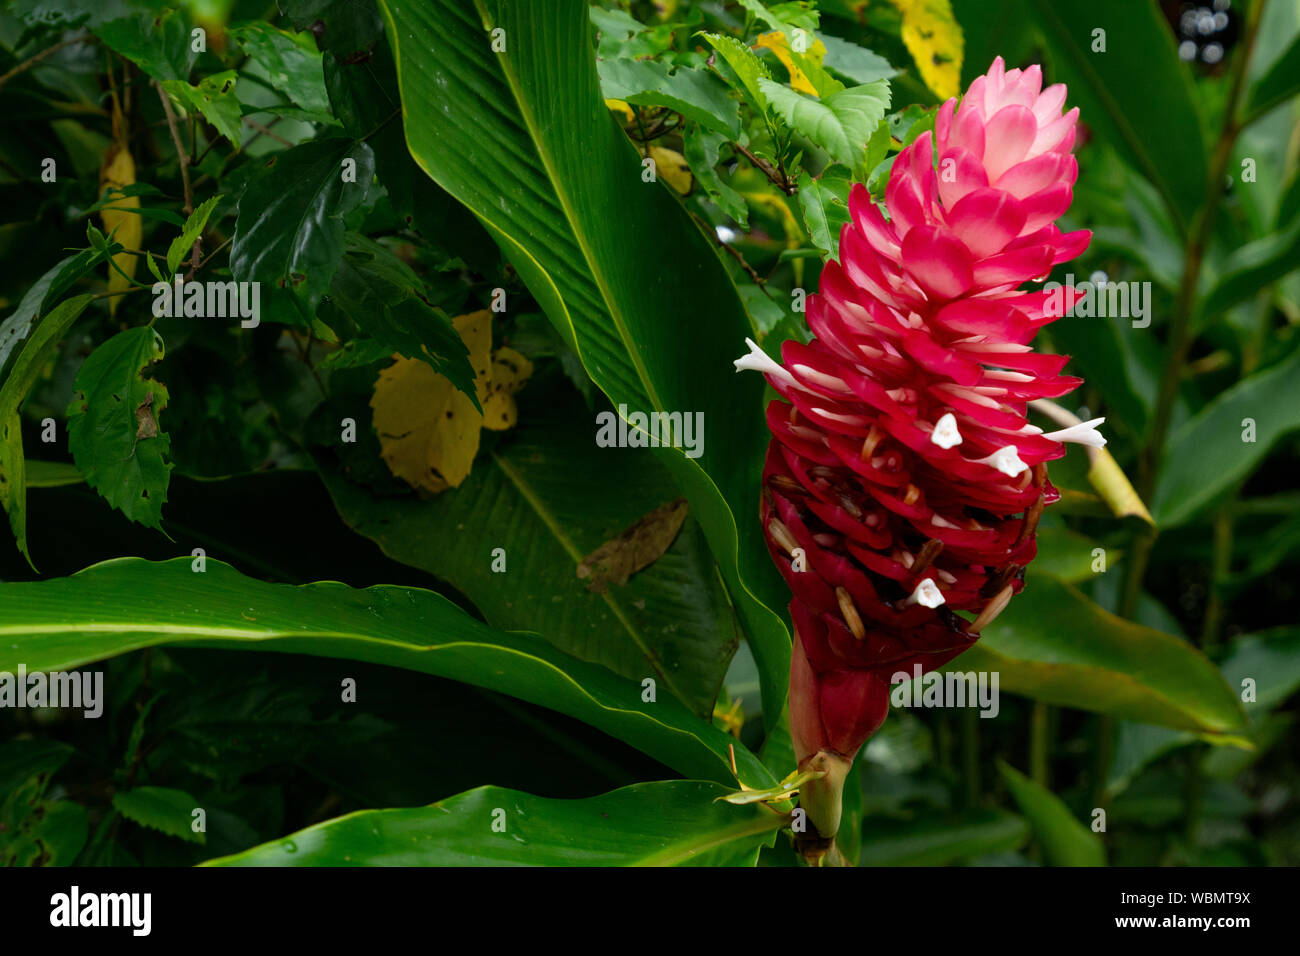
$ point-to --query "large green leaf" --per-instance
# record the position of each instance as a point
(1253, 267)
(1208, 455)
(933, 840)
(115, 426)
(293, 67)
(1065, 841)
(1053, 644)
(841, 123)
(533, 151)
(1279, 84)
(667, 823)
(547, 495)
(22, 376)
(129, 604)
(1136, 95)
(289, 235)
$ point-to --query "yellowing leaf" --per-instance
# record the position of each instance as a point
(428, 429)
(934, 38)
(798, 65)
(510, 371)
(118, 171)
(620, 106)
(672, 167)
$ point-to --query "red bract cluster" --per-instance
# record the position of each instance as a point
(903, 482)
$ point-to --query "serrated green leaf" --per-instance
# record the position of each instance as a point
(214, 98)
(696, 94)
(855, 63)
(160, 808)
(289, 232)
(381, 295)
(190, 233)
(701, 151)
(109, 423)
(841, 123)
(825, 206)
(745, 65)
(292, 64)
(158, 43)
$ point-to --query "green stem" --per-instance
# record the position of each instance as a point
(970, 755)
(1180, 330)
(1218, 578)
(1038, 744)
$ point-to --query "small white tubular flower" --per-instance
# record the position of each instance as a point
(1005, 460)
(1084, 433)
(945, 433)
(759, 361)
(927, 594)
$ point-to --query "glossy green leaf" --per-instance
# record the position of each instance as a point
(160, 808)
(214, 98)
(667, 823)
(696, 94)
(292, 67)
(158, 43)
(127, 604)
(1137, 95)
(746, 68)
(42, 296)
(1053, 644)
(1064, 840)
(547, 495)
(1209, 455)
(841, 123)
(289, 235)
(825, 205)
(115, 427)
(701, 150)
(1252, 268)
(382, 296)
(536, 155)
(933, 840)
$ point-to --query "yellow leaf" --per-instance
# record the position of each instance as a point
(428, 429)
(118, 171)
(510, 371)
(620, 106)
(933, 37)
(671, 165)
(779, 43)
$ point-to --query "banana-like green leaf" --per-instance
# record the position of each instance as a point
(666, 823)
(1065, 841)
(1219, 447)
(547, 496)
(129, 603)
(1054, 644)
(534, 153)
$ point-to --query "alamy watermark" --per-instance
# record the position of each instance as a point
(79, 690)
(626, 429)
(953, 689)
(209, 300)
(1100, 297)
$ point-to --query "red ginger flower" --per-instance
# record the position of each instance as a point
(903, 482)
